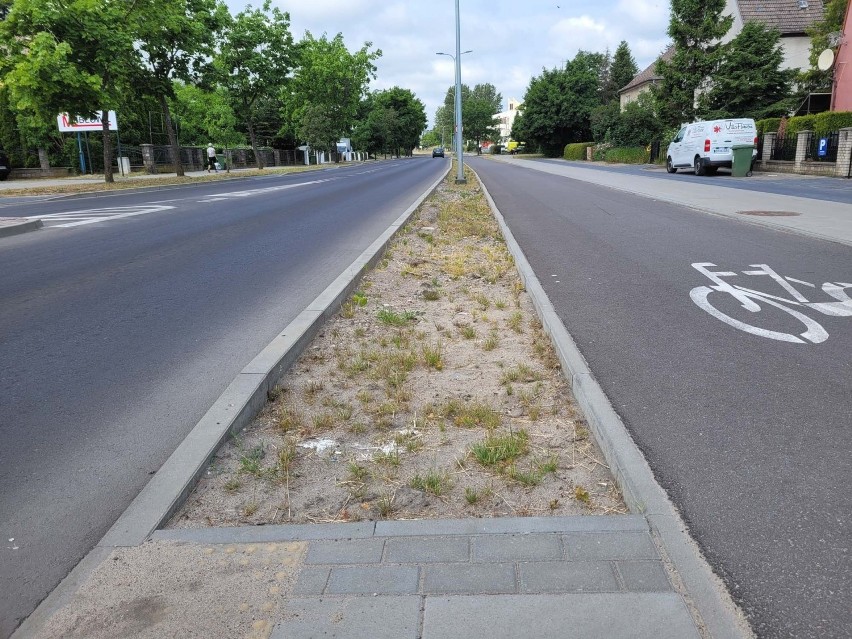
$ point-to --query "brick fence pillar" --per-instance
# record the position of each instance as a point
(148, 158)
(802, 141)
(843, 167)
(768, 147)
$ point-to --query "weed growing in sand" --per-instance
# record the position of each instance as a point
(497, 449)
(392, 318)
(250, 461)
(432, 482)
(433, 355)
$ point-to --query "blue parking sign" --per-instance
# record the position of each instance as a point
(822, 151)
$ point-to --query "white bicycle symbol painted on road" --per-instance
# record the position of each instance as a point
(755, 301)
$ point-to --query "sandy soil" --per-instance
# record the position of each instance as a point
(434, 393)
(168, 589)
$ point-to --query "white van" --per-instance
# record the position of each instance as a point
(705, 146)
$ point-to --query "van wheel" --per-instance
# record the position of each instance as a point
(699, 166)
(669, 167)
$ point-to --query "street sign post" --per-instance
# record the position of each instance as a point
(78, 124)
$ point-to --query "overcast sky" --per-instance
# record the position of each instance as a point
(511, 39)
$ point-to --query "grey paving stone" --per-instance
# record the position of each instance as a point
(311, 581)
(350, 618)
(345, 551)
(411, 550)
(568, 576)
(644, 576)
(384, 580)
(258, 534)
(580, 616)
(516, 547)
(469, 579)
(627, 546)
(580, 523)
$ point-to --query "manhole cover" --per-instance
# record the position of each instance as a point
(769, 213)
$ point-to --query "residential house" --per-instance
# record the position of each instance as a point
(506, 119)
(644, 80)
(791, 18)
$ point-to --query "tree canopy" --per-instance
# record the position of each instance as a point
(257, 59)
(327, 88)
(748, 80)
(558, 104)
(695, 27)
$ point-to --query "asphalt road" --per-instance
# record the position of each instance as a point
(128, 314)
(750, 436)
(815, 187)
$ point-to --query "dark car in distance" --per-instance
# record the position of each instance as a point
(438, 152)
(5, 169)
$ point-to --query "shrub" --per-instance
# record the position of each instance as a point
(576, 151)
(599, 151)
(768, 125)
(820, 123)
(831, 121)
(627, 155)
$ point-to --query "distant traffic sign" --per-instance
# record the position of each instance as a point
(67, 124)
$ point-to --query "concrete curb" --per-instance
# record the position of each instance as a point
(17, 229)
(231, 412)
(707, 598)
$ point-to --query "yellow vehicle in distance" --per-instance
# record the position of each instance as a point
(514, 147)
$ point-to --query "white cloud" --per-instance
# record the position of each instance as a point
(512, 40)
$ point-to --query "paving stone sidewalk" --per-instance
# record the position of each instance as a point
(478, 578)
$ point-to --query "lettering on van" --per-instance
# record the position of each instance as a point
(739, 126)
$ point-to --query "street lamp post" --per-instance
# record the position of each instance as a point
(458, 105)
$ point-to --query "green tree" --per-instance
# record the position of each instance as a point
(695, 26)
(256, 60)
(176, 38)
(205, 116)
(74, 56)
(748, 81)
(331, 80)
(410, 116)
(558, 105)
(479, 106)
(623, 68)
(430, 138)
(445, 122)
(638, 124)
(604, 121)
(478, 114)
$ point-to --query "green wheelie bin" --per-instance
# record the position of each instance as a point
(741, 165)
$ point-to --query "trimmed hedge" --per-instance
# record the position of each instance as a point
(820, 123)
(576, 150)
(627, 155)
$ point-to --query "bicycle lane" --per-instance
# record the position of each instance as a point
(749, 435)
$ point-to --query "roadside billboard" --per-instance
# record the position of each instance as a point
(67, 124)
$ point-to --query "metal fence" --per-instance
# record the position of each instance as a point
(823, 148)
(785, 148)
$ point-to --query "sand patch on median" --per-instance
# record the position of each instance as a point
(433, 393)
(175, 589)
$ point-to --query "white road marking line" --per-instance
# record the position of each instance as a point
(91, 216)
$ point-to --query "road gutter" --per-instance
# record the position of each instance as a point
(234, 409)
(715, 613)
